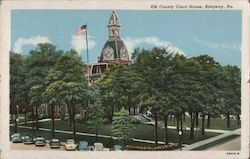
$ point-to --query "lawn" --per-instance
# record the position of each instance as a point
(215, 123)
(141, 131)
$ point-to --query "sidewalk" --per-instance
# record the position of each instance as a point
(204, 142)
(187, 128)
(30, 122)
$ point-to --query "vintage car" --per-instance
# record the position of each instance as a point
(70, 145)
(117, 148)
(40, 141)
(83, 146)
(16, 138)
(28, 140)
(55, 143)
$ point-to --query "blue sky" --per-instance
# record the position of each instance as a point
(216, 33)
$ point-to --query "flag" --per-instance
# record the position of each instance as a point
(81, 30)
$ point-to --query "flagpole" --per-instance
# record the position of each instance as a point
(87, 44)
(87, 52)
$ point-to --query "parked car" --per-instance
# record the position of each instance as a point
(98, 146)
(55, 143)
(16, 138)
(233, 117)
(40, 141)
(28, 140)
(70, 145)
(83, 146)
(117, 148)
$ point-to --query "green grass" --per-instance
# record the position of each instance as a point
(215, 123)
(142, 131)
(218, 142)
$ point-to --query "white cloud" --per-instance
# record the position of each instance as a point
(231, 46)
(78, 42)
(34, 40)
(132, 43)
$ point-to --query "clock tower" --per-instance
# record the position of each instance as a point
(114, 50)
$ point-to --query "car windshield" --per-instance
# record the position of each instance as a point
(40, 138)
(70, 141)
(16, 135)
(83, 143)
(55, 140)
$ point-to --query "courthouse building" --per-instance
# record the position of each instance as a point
(114, 51)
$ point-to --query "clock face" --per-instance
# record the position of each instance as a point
(124, 54)
(108, 53)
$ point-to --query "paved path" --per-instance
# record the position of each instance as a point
(233, 145)
(204, 142)
(187, 128)
(30, 122)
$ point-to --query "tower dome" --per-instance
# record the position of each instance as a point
(114, 50)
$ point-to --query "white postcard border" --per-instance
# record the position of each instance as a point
(5, 32)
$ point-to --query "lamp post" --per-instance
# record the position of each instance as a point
(180, 139)
(17, 118)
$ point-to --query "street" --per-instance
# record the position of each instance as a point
(22, 146)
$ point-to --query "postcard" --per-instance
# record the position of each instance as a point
(124, 79)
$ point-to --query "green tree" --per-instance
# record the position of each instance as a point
(153, 70)
(67, 84)
(208, 74)
(121, 126)
(38, 64)
(95, 114)
(17, 78)
(232, 91)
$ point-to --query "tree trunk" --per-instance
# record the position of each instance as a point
(208, 121)
(174, 122)
(192, 120)
(96, 134)
(181, 123)
(238, 118)
(184, 117)
(70, 115)
(37, 119)
(197, 119)
(156, 129)
(53, 121)
(166, 128)
(203, 124)
(33, 120)
(111, 114)
(16, 123)
(25, 111)
(228, 120)
(11, 111)
(178, 122)
(73, 120)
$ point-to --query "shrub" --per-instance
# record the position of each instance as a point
(78, 117)
(151, 148)
(66, 117)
